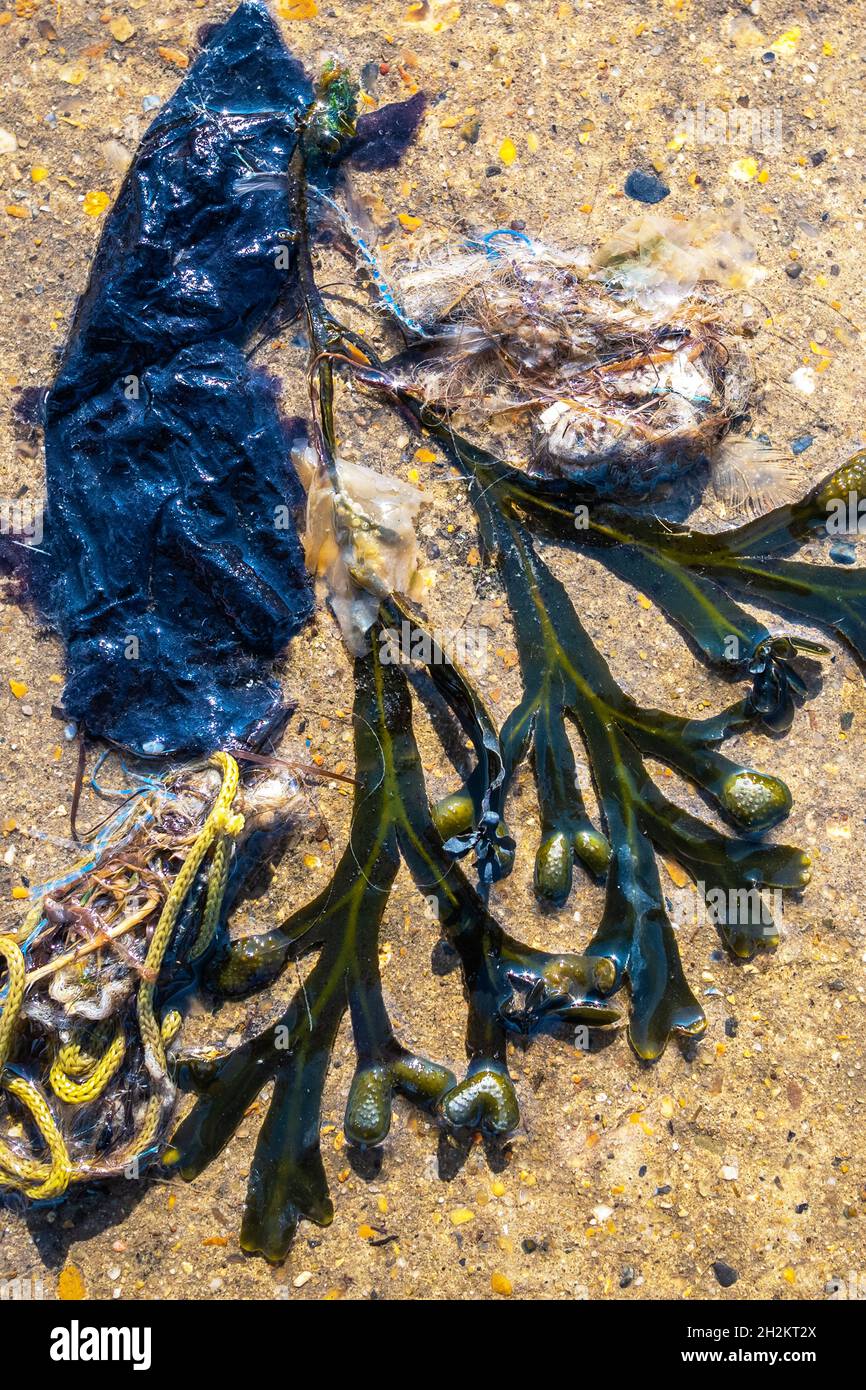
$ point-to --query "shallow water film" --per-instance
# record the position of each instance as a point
(434, 670)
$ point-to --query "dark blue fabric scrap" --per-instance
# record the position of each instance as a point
(168, 564)
(167, 569)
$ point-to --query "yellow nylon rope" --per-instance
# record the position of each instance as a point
(77, 1076)
(72, 1061)
(31, 1176)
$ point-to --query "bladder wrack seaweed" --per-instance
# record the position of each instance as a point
(508, 985)
(510, 988)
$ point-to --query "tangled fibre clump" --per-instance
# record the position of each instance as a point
(166, 461)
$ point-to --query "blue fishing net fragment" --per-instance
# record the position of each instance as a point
(170, 561)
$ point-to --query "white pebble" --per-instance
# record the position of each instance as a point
(803, 379)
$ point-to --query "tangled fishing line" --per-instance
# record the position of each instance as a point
(96, 968)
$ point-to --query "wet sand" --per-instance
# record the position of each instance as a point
(626, 1180)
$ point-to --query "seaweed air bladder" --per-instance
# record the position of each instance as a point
(622, 371)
